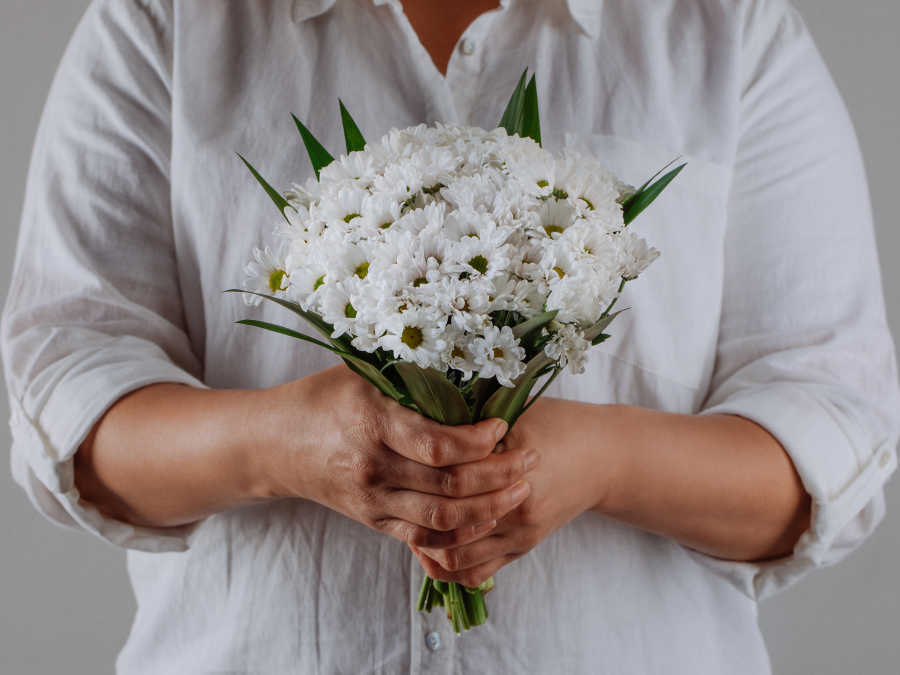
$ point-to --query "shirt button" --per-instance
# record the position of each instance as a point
(467, 46)
(433, 641)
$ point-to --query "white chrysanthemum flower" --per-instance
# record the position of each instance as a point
(265, 273)
(635, 254)
(555, 217)
(568, 347)
(414, 336)
(498, 354)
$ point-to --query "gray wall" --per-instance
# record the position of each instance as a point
(66, 603)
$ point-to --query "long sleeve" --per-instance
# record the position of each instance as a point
(94, 309)
(804, 348)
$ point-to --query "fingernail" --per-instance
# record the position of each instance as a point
(500, 430)
(531, 460)
(520, 491)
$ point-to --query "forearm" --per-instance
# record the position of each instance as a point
(719, 484)
(169, 454)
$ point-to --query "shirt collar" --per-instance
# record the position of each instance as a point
(585, 12)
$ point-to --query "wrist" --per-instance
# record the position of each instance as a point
(615, 449)
(249, 443)
(281, 435)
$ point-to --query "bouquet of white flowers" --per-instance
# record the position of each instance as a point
(454, 268)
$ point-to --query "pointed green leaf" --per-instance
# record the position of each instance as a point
(653, 178)
(325, 328)
(535, 322)
(642, 199)
(531, 118)
(603, 337)
(598, 328)
(352, 135)
(318, 155)
(512, 116)
(370, 372)
(274, 195)
(434, 394)
(507, 402)
(275, 328)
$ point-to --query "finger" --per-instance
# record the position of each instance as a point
(496, 472)
(416, 535)
(427, 442)
(446, 513)
(471, 555)
(471, 577)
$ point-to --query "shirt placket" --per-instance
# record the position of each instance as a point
(466, 66)
(432, 641)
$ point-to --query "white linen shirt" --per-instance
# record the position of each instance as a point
(766, 303)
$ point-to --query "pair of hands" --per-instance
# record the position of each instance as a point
(464, 509)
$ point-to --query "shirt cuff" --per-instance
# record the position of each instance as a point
(47, 433)
(840, 467)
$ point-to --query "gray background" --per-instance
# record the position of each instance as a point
(66, 602)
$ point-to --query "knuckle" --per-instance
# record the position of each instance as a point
(429, 449)
(454, 482)
(370, 426)
(512, 471)
(356, 465)
(366, 471)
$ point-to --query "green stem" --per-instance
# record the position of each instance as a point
(534, 398)
(424, 592)
(621, 286)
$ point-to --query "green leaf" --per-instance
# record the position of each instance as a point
(370, 372)
(434, 394)
(275, 328)
(640, 200)
(274, 195)
(318, 155)
(507, 402)
(603, 337)
(531, 118)
(654, 177)
(512, 116)
(317, 322)
(523, 329)
(352, 135)
(597, 329)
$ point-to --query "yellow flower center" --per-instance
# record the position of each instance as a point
(480, 263)
(412, 336)
(551, 229)
(276, 278)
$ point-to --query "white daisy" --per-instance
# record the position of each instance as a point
(265, 273)
(498, 354)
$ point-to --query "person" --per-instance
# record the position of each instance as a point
(734, 435)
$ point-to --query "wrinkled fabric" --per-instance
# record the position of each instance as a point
(765, 303)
